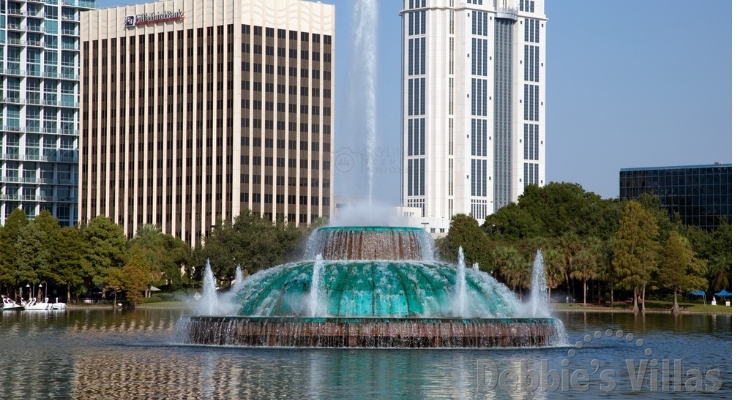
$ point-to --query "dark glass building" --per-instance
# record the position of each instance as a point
(700, 194)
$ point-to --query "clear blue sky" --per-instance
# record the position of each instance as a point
(630, 84)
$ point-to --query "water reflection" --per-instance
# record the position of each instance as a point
(105, 354)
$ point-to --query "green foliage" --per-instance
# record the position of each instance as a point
(465, 232)
(8, 254)
(250, 241)
(69, 266)
(679, 267)
(552, 211)
(132, 278)
(511, 223)
(512, 267)
(635, 248)
(106, 248)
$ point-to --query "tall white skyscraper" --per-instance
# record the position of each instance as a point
(473, 110)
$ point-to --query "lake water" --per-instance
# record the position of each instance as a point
(96, 354)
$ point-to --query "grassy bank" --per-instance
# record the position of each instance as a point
(651, 306)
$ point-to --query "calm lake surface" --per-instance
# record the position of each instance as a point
(96, 354)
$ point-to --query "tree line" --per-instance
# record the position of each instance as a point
(598, 246)
(97, 254)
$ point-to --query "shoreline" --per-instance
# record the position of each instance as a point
(579, 308)
(554, 307)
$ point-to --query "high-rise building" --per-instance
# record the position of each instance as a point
(699, 194)
(194, 111)
(39, 106)
(473, 89)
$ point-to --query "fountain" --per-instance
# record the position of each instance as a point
(372, 287)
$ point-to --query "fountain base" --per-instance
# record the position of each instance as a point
(369, 332)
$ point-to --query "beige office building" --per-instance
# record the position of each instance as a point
(194, 111)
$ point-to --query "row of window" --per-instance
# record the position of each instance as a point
(480, 23)
(479, 56)
(532, 30)
(416, 53)
(532, 174)
(532, 142)
(281, 125)
(532, 63)
(280, 144)
(416, 96)
(280, 162)
(268, 198)
(416, 177)
(291, 181)
(281, 33)
(478, 209)
(478, 137)
(280, 52)
(478, 177)
(416, 137)
(478, 97)
(417, 4)
(527, 5)
(417, 21)
(532, 102)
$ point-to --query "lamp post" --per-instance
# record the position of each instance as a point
(30, 290)
(46, 289)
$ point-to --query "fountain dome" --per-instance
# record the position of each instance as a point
(372, 287)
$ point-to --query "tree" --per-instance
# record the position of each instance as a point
(586, 262)
(680, 269)
(8, 254)
(465, 232)
(251, 241)
(512, 267)
(70, 265)
(511, 223)
(635, 249)
(554, 268)
(132, 278)
(105, 248)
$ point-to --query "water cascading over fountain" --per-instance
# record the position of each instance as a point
(349, 293)
(316, 302)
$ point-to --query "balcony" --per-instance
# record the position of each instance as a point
(16, 12)
(12, 100)
(70, 46)
(69, 32)
(36, 157)
(39, 14)
(16, 27)
(35, 28)
(72, 18)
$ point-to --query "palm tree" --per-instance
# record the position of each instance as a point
(554, 269)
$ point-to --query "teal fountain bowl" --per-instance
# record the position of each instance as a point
(372, 287)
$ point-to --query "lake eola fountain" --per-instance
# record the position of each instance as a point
(372, 287)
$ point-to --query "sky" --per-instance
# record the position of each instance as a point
(630, 83)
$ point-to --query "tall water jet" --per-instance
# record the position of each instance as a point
(209, 290)
(316, 308)
(365, 17)
(238, 277)
(461, 284)
(538, 290)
